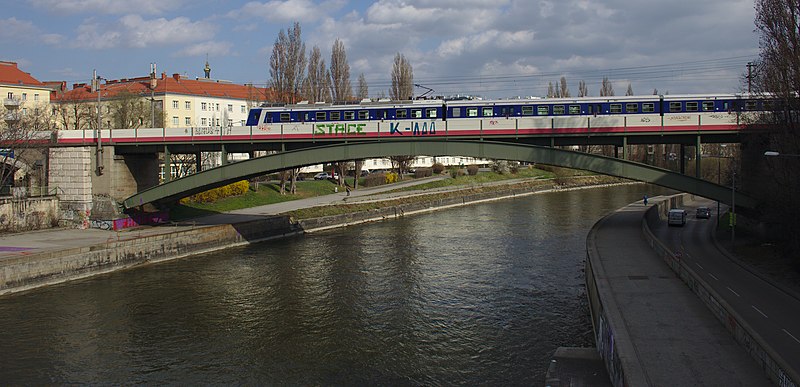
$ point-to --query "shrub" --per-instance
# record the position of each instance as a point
(456, 172)
(212, 195)
(423, 172)
(392, 177)
(437, 168)
(472, 170)
(500, 167)
(374, 179)
(513, 167)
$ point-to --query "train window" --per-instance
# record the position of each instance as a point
(527, 110)
(456, 112)
(430, 112)
(708, 106)
(574, 109)
(401, 113)
(285, 117)
(320, 116)
(472, 112)
(335, 116)
(691, 106)
(543, 110)
(306, 117)
(768, 105)
(631, 107)
(615, 108)
(363, 114)
(558, 109)
(674, 107)
(648, 107)
(416, 113)
(349, 115)
(488, 112)
(382, 114)
(750, 105)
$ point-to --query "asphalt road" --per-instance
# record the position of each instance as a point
(771, 311)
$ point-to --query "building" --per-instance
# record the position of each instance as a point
(21, 93)
(157, 101)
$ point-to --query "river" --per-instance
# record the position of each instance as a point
(481, 294)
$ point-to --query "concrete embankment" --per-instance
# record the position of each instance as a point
(128, 249)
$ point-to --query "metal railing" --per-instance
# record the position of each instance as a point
(28, 192)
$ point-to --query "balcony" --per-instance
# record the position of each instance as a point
(11, 117)
(12, 102)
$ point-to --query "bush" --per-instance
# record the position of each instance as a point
(513, 167)
(392, 177)
(472, 170)
(212, 195)
(456, 172)
(423, 172)
(374, 179)
(437, 168)
(500, 167)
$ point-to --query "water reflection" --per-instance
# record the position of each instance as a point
(475, 295)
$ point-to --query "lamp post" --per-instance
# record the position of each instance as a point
(99, 134)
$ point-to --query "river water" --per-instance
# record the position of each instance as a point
(481, 294)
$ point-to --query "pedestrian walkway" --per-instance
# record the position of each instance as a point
(663, 334)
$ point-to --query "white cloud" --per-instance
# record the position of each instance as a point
(15, 30)
(287, 10)
(216, 49)
(109, 6)
(134, 31)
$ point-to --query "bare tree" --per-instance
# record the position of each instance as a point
(629, 92)
(341, 90)
(363, 89)
(316, 85)
(402, 78)
(655, 91)
(606, 89)
(564, 88)
(75, 111)
(583, 91)
(287, 64)
(776, 180)
(358, 166)
(130, 111)
(19, 130)
(551, 91)
(401, 164)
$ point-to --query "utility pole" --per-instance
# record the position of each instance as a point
(153, 83)
(750, 66)
(99, 133)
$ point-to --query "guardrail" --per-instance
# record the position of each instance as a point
(773, 364)
(28, 192)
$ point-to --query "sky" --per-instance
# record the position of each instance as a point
(494, 48)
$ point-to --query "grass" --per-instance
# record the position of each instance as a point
(267, 193)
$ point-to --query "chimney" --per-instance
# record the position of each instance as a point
(177, 77)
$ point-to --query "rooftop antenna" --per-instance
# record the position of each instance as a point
(421, 96)
(207, 69)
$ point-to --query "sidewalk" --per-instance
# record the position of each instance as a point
(663, 335)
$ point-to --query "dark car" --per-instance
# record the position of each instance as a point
(703, 213)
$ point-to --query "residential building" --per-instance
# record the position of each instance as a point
(21, 93)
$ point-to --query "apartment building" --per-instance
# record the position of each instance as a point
(20, 92)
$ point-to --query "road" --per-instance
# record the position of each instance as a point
(772, 312)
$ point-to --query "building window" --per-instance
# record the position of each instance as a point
(230, 108)
(203, 106)
(203, 121)
(24, 96)
(174, 104)
(187, 105)
(175, 121)
(241, 122)
(10, 95)
(187, 121)
(244, 109)
(36, 97)
(217, 107)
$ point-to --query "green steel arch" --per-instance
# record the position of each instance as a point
(226, 174)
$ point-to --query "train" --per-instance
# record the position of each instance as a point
(470, 117)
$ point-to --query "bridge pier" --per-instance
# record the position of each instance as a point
(84, 194)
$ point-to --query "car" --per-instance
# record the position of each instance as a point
(703, 213)
(322, 176)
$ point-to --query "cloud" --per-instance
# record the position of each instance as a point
(15, 30)
(216, 49)
(287, 10)
(154, 7)
(134, 31)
